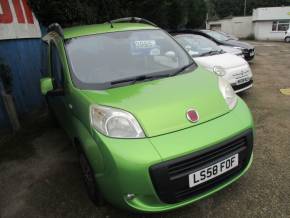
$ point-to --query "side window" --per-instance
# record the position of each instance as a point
(280, 25)
(56, 67)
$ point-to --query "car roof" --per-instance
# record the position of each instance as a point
(78, 31)
(185, 31)
(176, 34)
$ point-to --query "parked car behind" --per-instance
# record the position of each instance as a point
(287, 36)
(208, 54)
(154, 131)
(247, 49)
(229, 35)
(232, 50)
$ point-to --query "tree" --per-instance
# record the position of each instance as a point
(196, 14)
(165, 13)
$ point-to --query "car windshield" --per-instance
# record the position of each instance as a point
(100, 61)
(197, 45)
(229, 35)
(216, 35)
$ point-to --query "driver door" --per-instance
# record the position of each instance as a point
(57, 102)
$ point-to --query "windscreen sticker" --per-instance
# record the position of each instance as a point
(145, 47)
(145, 44)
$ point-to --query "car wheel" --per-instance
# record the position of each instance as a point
(287, 39)
(90, 182)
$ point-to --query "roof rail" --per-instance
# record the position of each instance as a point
(55, 27)
(132, 20)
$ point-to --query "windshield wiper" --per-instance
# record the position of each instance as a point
(139, 78)
(182, 69)
(150, 77)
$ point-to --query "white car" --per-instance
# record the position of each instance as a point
(232, 50)
(287, 36)
(229, 35)
(208, 54)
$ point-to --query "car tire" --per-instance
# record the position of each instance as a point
(90, 182)
(287, 39)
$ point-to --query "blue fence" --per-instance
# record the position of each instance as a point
(24, 58)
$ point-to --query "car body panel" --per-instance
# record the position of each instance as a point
(246, 48)
(237, 43)
(121, 166)
(225, 60)
(232, 50)
(73, 32)
(287, 36)
(144, 153)
(235, 67)
(167, 99)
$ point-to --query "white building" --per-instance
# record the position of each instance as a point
(238, 26)
(265, 24)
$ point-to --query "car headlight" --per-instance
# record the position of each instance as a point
(228, 93)
(114, 122)
(219, 71)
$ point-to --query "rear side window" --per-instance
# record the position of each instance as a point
(56, 67)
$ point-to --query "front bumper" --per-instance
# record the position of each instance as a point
(128, 162)
(243, 87)
(171, 178)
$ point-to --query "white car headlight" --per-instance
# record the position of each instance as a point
(228, 93)
(114, 122)
(219, 71)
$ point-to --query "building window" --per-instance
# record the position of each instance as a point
(281, 25)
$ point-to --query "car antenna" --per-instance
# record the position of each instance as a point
(108, 14)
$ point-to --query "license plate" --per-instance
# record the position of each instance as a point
(213, 171)
(243, 80)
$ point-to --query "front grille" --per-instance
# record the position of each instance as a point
(241, 86)
(171, 178)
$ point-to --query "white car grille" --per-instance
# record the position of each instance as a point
(235, 74)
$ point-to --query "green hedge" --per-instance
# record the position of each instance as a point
(165, 13)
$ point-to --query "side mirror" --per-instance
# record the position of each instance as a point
(46, 85)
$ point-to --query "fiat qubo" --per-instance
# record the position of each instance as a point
(154, 131)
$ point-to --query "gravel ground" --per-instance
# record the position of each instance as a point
(40, 175)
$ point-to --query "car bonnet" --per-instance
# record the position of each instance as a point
(236, 43)
(226, 61)
(160, 106)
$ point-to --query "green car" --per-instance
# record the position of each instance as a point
(154, 131)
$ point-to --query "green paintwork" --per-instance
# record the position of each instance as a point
(121, 166)
(103, 28)
(168, 98)
(46, 85)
